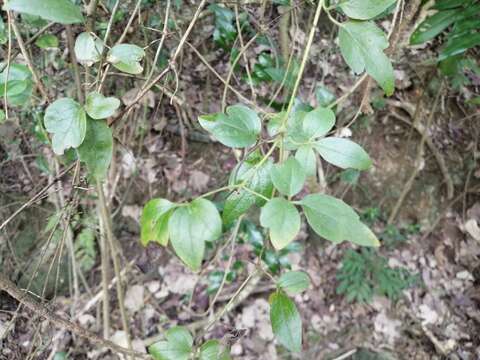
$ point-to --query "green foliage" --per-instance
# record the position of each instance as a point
(464, 34)
(365, 9)
(365, 274)
(334, 220)
(343, 153)
(97, 148)
(288, 177)
(190, 226)
(66, 120)
(61, 11)
(178, 345)
(281, 217)
(286, 321)
(154, 221)
(98, 106)
(19, 84)
(294, 282)
(88, 50)
(238, 128)
(214, 350)
(225, 30)
(362, 44)
(126, 58)
(47, 41)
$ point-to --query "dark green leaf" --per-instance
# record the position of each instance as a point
(238, 128)
(61, 11)
(47, 41)
(288, 177)
(236, 204)
(432, 26)
(459, 45)
(365, 9)
(154, 222)
(281, 217)
(343, 153)
(294, 282)
(96, 150)
(190, 226)
(362, 44)
(66, 120)
(286, 321)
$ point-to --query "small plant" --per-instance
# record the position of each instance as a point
(365, 273)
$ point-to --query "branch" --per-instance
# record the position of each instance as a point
(41, 310)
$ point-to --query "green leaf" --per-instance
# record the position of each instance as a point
(343, 153)
(459, 44)
(88, 50)
(362, 44)
(334, 220)
(19, 85)
(47, 41)
(306, 158)
(294, 282)
(177, 346)
(286, 321)
(61, 11)
(126, 58)
(99, 106)
(3, 32)
(432, 26)
(281, 217)
(236, 204)
(190, 226)
(324, 96)
(214, 350)
(2, 116)
(66, 120)
(154, 221)
(238, 128)
(318, 122)
(96, 150)
(289, 177)
(365, 9)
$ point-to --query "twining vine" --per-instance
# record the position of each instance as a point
(280, 152)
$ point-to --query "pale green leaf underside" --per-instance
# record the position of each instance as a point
(288, 177)
(126, 58)
(67, 121)
(282, 219)
(334, 220)
(294, 282)
(306, 158)
(99, 106)
(190, 226)
(154, 221)
(362, 44)
(365, 9)
(88, 50)
(343, 153)
(96, 150)
(238, 128)
(286, 321)
(61, 11)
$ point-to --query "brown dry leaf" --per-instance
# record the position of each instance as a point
(471, 227)
(198, 180)
(134, 298)
(129, 97)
